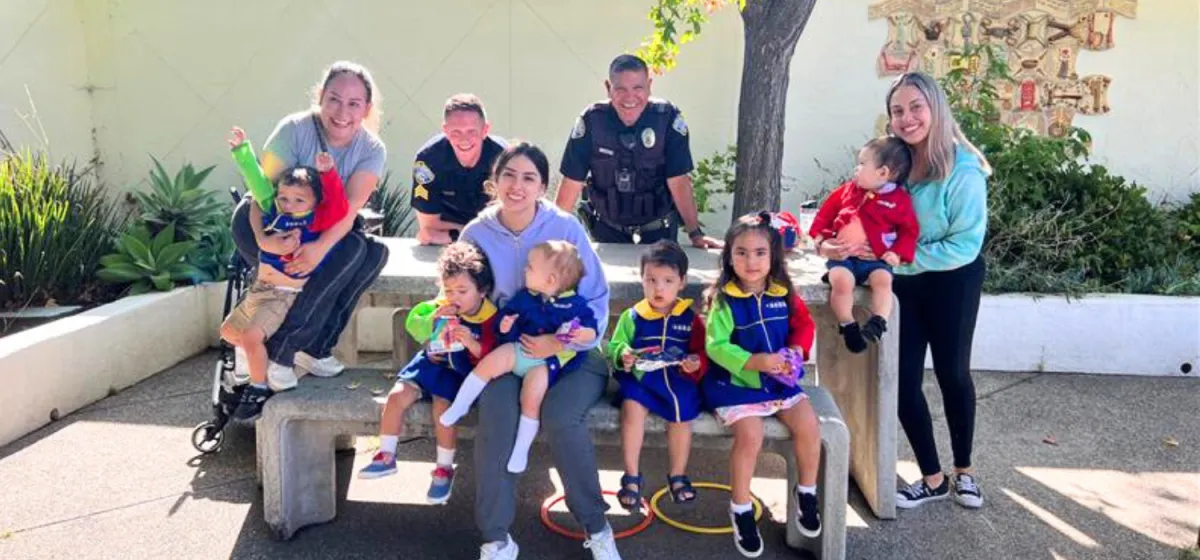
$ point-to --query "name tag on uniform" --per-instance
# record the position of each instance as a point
(606, 151)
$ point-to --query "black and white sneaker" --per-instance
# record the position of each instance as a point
(745, 534)
(808, 514)
(966, 491)
(251, 405)
(918, 493)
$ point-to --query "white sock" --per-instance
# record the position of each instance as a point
(387, 444)
(526, 430)
(445, 457)
(259, 385)
(741, 508)
(847, 323)
(471, 388)
(807, 489)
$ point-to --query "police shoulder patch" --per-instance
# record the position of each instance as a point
(679, 125)
(421, 192)
(422, 174)
(580, 128)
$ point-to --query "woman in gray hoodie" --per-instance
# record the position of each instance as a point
(518, 219)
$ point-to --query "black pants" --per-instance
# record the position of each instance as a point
(603, 233)
(938, 312)
(323, 308)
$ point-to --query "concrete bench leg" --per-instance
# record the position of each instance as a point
(298, 472)
(346, 349)
(832, 481)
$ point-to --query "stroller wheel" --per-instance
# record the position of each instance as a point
(206, 438)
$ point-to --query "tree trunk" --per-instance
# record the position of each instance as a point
(772, 28)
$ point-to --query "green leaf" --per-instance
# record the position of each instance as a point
(162, 282)
(118, 275)
(140, 287)
(185, 272)
(116, 259)
(163, 239)
(138, 251)
(174, 252)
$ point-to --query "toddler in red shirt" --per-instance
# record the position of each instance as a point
(872, 216)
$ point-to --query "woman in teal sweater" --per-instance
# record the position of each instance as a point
(939, 291)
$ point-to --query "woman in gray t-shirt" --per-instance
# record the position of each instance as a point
(341, 122)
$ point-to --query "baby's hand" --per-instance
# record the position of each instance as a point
(891, 258)
(628, 358)
(582, 336)
(324, 162)
(237, 137)
(506, 324)
(690, 364)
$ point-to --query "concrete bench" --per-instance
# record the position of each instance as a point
(298, 429)
(864, 386)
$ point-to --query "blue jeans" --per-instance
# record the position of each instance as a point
(861, 269)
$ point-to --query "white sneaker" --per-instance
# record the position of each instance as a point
(603, 545)
(328, 366)
(241, 366)
(966, 491)
(280, 377)
(499, 551)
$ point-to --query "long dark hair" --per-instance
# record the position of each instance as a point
(759, 222)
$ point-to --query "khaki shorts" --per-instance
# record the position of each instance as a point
(264, 307)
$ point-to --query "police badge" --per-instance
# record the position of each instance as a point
(679, 125)
(648, 138)
(580, 128)
(422, 174)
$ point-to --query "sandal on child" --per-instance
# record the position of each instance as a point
(631, 499)
(682, 491)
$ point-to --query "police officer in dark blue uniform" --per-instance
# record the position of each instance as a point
(629, 156)
(450, 170)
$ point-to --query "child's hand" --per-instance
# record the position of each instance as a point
(581, 336)
(628, 358)
(324, 162)
(691, 364)
(461, 334)
(237, 137)
(284, 243)
(506, 324)
(434, 357)
(891, 258)
(768, 363)
(446, 310)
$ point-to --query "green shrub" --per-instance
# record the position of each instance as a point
(145, 262)
(55, 223)
(394, 201)
(181, 202)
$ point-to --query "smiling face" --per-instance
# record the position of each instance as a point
(909, 114)
(344, 105)
(519, 185)
(629, 92)
(466, 131)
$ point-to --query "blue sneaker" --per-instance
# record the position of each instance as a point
(443, 483)
(382, 464)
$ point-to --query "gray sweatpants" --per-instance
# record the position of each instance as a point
(564, 424)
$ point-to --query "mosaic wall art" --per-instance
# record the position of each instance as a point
(1040, 39)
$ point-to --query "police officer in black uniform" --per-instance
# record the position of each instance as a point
(450, 170)
(631, 153)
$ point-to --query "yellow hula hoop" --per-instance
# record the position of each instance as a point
(758, 510)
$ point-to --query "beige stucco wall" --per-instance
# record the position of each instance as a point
(168, 78)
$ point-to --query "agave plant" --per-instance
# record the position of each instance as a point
(180, 201)
(394, 201)
(149, 263)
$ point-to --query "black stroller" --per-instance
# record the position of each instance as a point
(227, 388)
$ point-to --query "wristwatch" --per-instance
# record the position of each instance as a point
(694, 233)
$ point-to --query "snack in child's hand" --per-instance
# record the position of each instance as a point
(794, 369)
(653, 358)
(567, 330)
(442, 341)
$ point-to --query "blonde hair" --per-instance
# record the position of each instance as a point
(374, 99)
(944, 131)
(564, 258)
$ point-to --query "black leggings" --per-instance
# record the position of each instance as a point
(324, 306)
(938, 311)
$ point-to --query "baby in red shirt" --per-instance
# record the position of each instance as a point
(872, 216)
